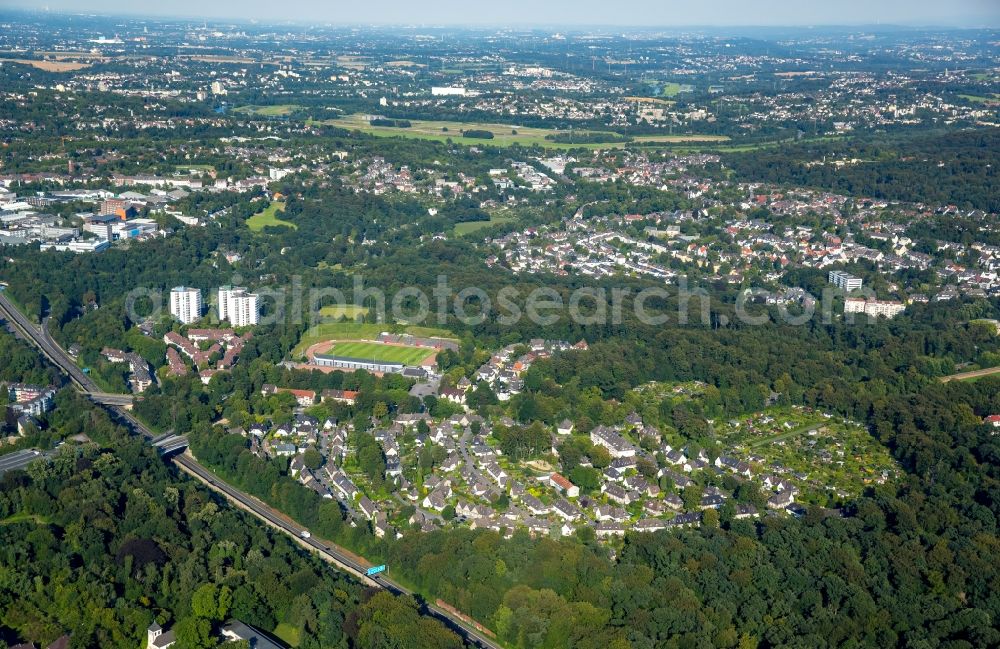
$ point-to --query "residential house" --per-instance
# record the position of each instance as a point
(781, 499)
(650, 525)
(564, 485)
(616, 493)
(534, 505)
(616, 445)
(566, 510)
(604, 530)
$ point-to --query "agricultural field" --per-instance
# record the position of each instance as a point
(985, 75)
(503, 134)
(352, 62)
(824, 455)
(212, 58)
(279, 110)
(651, 100)
(379, 352)
(982, 99)
(269, 216)
(669, 139)
(66, 55)
(50, 66)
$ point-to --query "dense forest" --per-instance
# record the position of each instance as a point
(958, 168)
(21, 364)
(103, 538)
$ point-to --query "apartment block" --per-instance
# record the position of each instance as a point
(185, 303)
(240, 308)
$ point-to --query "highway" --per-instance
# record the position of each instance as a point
(331, 552)
(47, 346)
(187, 463)
(19, 459)
(106, 399)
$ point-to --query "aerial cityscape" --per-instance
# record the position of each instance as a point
(400, 330)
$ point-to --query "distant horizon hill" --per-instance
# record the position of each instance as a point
(558, 28)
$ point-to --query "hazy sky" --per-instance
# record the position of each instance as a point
(968, 13)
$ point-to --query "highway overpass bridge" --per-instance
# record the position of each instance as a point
(110, 399)
(167, 444)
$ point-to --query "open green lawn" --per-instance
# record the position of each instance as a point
(503, 134)
(269, 216)
(279, 110)
(428, 332)
(25, 518)
(336, 331)
(349, 311)
(678, 139)
(671, 89)
(197, 167)
(468, 227)
(290, 634)
(726, 147)
(987, 322)
(380, 352)
(981, 99)
(358, 330)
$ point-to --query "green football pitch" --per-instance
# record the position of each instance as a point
(380, 352)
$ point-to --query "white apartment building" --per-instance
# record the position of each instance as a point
(448, 91)
(883, 308)
(224, 293)
(239, 307)
(185, 303)
(844, 280)
(617, 445)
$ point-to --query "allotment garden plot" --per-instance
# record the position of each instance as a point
(825, 454)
